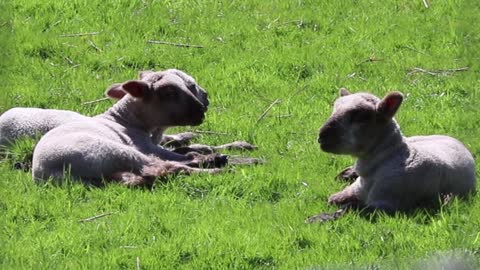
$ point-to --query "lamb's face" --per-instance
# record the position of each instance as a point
(163, 99)
(353, 126)
(177, 99)
(188, 81)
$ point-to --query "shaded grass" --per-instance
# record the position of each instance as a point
(255, 52)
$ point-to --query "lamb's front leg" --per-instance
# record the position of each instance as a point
(191, 159)
(174, 140)
(206, 161)
(152, 149)
(350, 194)
(207, 149)
(348, 174)
(146, 177)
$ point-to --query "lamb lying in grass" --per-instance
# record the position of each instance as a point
(116, 145)
(21, 122)
(395, 172)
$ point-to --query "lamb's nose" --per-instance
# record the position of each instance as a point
(322, 136)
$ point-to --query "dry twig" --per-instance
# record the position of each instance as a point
(275, 102)
(128, 247)
(80, 34)
(96, 217)
(444, 72)
(175, 44)
(95, 101)
(138, 263)
(209, 132)
(425, 3)
(301, 89)
(94, 46)
(372, 58)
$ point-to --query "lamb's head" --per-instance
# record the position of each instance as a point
(357, 122)
(165, 98)
(188, 81)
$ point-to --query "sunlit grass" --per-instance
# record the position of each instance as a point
(254, 52)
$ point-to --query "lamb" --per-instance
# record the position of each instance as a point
(396, 173)
(23, 122)
(116, 145)
(30, 122)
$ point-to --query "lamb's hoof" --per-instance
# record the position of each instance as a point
(219, 160)
(214, 171)
(245, 161)
(132, 180)
(194, 148)
(341, 198)
(207, 161)
(324, 217)
(239, 145)
(347, 174)
(24, 166)
(179, 140)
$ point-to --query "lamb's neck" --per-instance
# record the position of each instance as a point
(388, 143)
(128, 112)
(157, 134)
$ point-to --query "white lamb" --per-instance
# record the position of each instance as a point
(395, 172)
(116, 145)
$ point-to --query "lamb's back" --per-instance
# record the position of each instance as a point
(445, 158)
(29, 122)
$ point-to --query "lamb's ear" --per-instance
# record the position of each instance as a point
(115, 92)
(145, 73)
(136, 88)
(343, 92)
(390, 104)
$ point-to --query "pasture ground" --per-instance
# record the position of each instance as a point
(254, 52)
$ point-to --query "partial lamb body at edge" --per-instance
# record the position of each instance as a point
(30, 122)
(395, 172)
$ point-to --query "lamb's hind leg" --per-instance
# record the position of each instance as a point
(158, 168)
(205, 155)
(207, 149)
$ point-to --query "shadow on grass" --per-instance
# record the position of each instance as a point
(424, 213)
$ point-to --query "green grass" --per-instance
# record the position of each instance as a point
(254, 52)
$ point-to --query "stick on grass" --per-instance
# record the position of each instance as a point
(209, 132)
(175, 44)
(443, 72)
(425, 3)
(80, 34)
(96, 217)
(95, 101)
(275, 102)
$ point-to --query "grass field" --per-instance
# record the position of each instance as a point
(254, 52)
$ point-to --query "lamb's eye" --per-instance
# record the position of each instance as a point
(361, 116)
(169, 93)
(193, 89)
